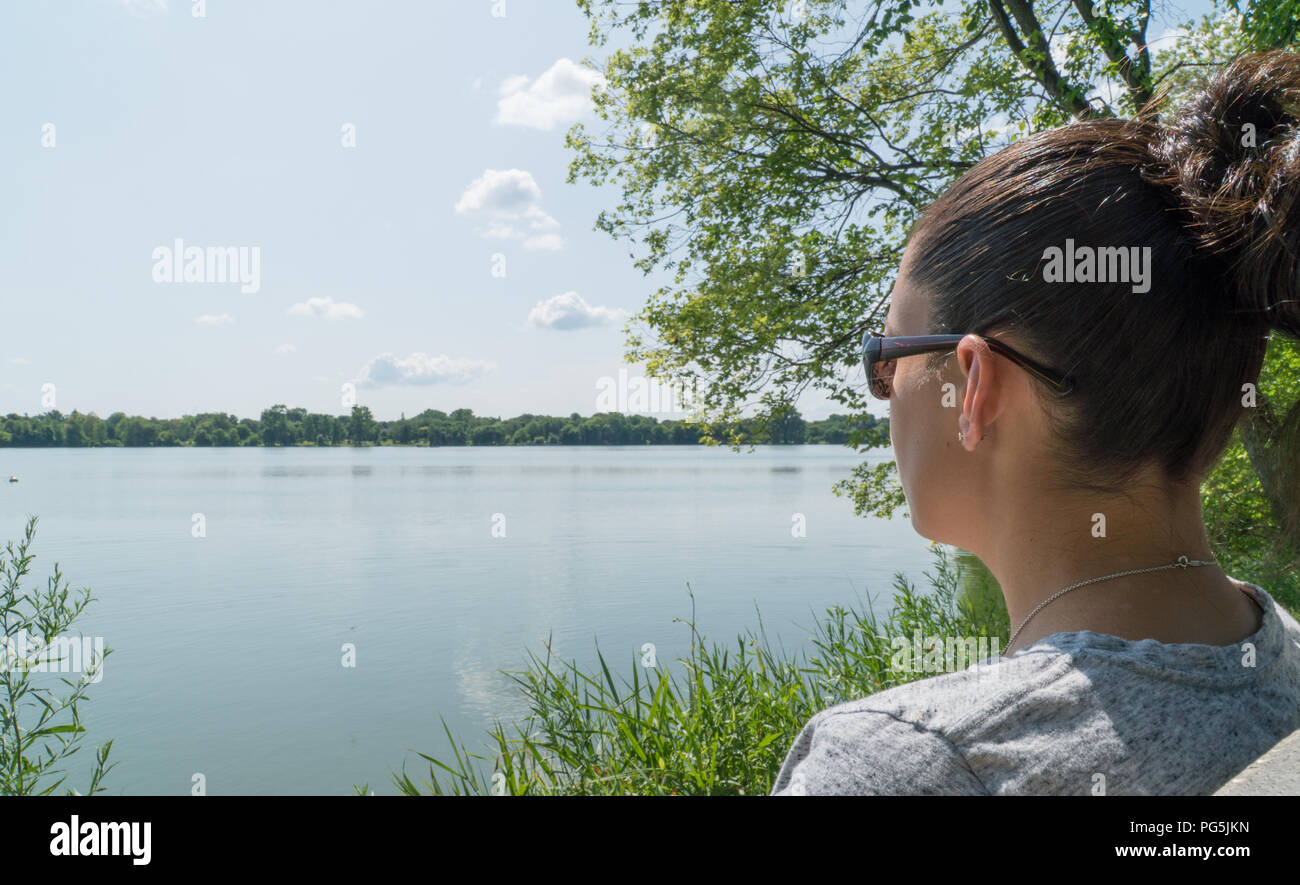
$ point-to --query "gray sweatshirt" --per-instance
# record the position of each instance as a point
(1077, 713)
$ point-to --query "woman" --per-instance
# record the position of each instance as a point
(1110, 287)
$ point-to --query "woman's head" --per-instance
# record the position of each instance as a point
(1146, 261)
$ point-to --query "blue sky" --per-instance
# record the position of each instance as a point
(376, 261)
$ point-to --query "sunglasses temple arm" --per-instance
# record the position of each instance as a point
(1029, 365)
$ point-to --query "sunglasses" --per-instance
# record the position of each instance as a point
(879, 353)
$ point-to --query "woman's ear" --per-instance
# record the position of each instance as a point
(980, 404)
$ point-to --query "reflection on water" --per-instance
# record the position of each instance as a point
(442, 568)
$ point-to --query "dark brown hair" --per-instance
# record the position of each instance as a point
(1211, 190)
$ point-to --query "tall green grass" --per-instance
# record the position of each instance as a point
(721, 723)
(40, 709)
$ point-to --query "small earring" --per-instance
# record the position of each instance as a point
(961, 437)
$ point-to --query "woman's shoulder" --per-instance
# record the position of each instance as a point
(1073, 663)
(1290, 627)
(1069, 699)
(871, 752)
(908, 739)
(950, 702)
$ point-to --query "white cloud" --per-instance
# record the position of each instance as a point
(327, 308)
(500, 190)
(560, 95)
(285, 348)
(214, 319)
(19, 361)
(420, 370)
(513, 84)
(510, 202)
(569, 311)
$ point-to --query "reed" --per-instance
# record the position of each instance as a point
(720, 722)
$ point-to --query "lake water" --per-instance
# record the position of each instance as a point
(440, 566)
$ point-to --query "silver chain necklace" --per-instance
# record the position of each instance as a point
(1183, 562)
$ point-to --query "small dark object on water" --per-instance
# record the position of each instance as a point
(13, 478)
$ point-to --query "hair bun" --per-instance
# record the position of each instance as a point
(1232, 156)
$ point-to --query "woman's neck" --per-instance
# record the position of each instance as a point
(1047, 542)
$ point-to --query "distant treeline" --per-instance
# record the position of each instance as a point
(282, 426)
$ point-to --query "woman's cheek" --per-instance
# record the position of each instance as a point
(927, 462)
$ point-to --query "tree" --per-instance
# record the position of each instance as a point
(776, 182)
(788, 428)
(488, 435)
(137, 431)
(74, 432)
(362, 428)
(1268, 24)
(275, 426)
(112, 424)
(773, 166)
